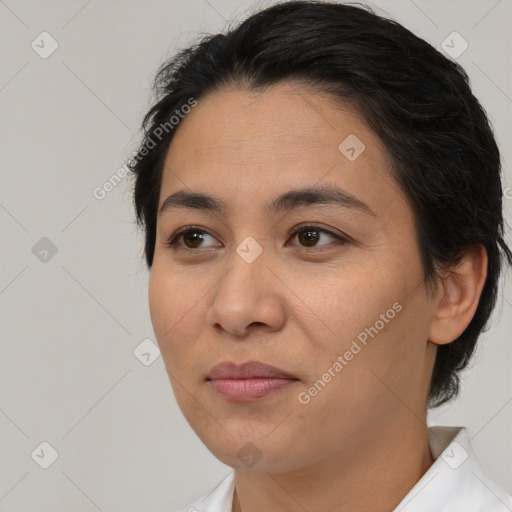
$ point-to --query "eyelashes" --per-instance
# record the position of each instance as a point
(309, 229)
(180, 233)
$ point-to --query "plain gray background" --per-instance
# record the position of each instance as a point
(72, 319)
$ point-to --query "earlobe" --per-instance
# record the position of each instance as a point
(459, 296)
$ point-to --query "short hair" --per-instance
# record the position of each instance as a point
(443, 152)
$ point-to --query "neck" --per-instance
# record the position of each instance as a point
(374, 475)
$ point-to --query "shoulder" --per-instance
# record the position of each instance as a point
(219, 499)
(456, 481)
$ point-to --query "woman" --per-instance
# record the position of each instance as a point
(321, 198)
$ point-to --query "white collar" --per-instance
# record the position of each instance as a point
(454, 483)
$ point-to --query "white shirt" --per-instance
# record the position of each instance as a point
(454, 483)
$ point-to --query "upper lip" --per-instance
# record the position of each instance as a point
(250, 369)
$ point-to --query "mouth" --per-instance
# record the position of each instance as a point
(249, 381)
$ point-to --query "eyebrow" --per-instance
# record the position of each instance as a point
(292, 200)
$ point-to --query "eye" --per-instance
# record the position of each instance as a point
(192, 237)
(310, 235)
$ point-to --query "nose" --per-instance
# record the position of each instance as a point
(247, 298)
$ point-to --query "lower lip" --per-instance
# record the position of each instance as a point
(248, 390)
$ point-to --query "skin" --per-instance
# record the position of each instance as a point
(361, 443)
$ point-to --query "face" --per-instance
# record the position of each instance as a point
(326, 288)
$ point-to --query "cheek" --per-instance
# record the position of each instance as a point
(172, 310)
(173, 325)
(348, 306)
(373, 385)
(171, 300)
(378, 328)
(161, 303)
(390, 370)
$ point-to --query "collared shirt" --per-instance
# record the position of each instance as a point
(454, 483)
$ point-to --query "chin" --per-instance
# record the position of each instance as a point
(254, 453)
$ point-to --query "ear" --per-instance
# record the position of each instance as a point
(458, 296)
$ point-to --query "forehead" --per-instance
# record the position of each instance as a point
(246, 145)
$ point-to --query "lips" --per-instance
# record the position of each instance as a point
(249, 381)
(249, 370)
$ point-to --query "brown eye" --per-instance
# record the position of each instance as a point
(309, 236)
(192, 238)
